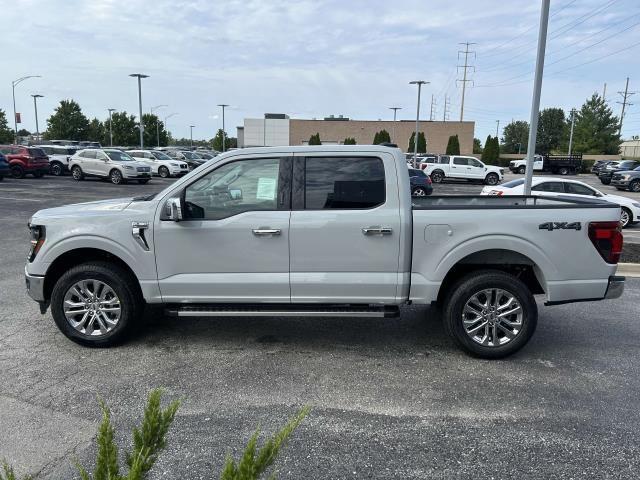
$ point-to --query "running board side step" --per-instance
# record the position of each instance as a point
(288, 310)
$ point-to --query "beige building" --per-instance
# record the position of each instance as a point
(278, 129)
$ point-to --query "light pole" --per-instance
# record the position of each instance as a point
(165, 122)
(191, 135)
(111, 110)
(13, 88)
(35, 107)
(157, 123)
(395, 110)
(415, 140)
(223, 105)
(140, 76)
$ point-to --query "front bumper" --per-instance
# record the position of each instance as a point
(139, 175)
(615, 287)
(620, 183)
(35, 286)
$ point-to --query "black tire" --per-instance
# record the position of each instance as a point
(17, 171)
(419, 192)
(56, 169)
(76, 173)
(625, 217)
(522, 170)
(462, 292)
(634, 186)
(492, 179)
(120, 281)
(163, 172)
(143, 182)
(437, 176)
(115, 176)
(564, 171)
(605, 180)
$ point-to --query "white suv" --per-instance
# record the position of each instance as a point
(110, 163)
(160, 163)
(59, 156)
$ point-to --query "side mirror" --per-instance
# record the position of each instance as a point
(174, 209)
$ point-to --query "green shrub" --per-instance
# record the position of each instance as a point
(7, 473)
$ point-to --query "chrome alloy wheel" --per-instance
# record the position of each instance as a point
(92, 307)
(492, 317)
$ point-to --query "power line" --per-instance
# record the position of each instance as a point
(466, 66)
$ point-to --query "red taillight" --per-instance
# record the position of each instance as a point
(607, 238)
(429, 182)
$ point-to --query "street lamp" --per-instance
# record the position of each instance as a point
(223, 105)
(13, 88)
(191, 135)
(165, 121)
(35, 107)
(140, 76)
(111, 110)
(395, 109)
(415, 140)
(157, 123)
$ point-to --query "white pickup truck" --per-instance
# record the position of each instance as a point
(320, 231)
(462, 167)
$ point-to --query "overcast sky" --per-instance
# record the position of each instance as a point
(313, 58)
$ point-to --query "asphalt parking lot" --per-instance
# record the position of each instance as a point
(390, 398)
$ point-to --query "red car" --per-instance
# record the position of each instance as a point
(25, 160)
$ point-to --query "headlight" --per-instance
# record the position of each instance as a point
(175, 164)
(37, 239)
(128, 167)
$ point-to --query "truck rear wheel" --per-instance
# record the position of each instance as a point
(95, 304)
(490, 314)
(437, 176)
(522, 170)
(564, 171)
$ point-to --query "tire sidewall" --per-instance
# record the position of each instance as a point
(17, 171)
(629, 217)
(76, 176)
(419, 189)
(522, 170)
(56, 169)
(163, 172)
(116, 177)
(468, 286)
(437, 176)
(493, 176)
(114, 278)
(634, 186)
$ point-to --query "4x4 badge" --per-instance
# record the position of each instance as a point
(560, 226)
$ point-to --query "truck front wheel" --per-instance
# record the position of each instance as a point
(96, 303)
(492, 179)
(522, 170)
(490, 314)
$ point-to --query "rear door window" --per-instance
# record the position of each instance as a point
(344, 182)
(36, 152)
(460, 161)
(555, 187)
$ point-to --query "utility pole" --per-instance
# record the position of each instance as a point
(395, 111)
(573, 122)
(625, 95)
(224, 136)
(433, 108)
(165, 125)
(445, 113)
(535, 100)
(35, 107)
(497, 127)
(13, 89)
(604, 92)
(157, 123)
(415, 140)
(465, 67)
(111, 110)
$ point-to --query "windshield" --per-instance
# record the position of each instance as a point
(117, 156)
(191, 156)
(513, 183)
(161, 156)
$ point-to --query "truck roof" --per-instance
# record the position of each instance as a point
(313, 148)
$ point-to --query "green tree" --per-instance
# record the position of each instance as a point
(453, 146)
(67, 122)
(6, 133)
(376, 138)
(96, 132)
(23, 132)
(422, 143)
(477, 145)
(315, 139)
(551, 130)
(596, 128)
(491, 151)
(125, 129)
(381, 137)
(230, 142)
(515, 137)
(349, 141)
(153, 128)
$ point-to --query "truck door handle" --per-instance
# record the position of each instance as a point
(265, 231)
(377, 231)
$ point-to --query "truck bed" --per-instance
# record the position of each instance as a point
(504, 202)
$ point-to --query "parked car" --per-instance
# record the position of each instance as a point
(191, 158)
(59, 156)
(420, 183)
(206, 155)
(553, 187)
(86, 144)
(598, 165)
(161, 164)
(110, 163)
(627, 180)
(463, 167)
(25, 160)
(556, 164)
(339, 235)
(5, 171)
(607, 172)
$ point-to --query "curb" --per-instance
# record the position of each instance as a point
(629, 269)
